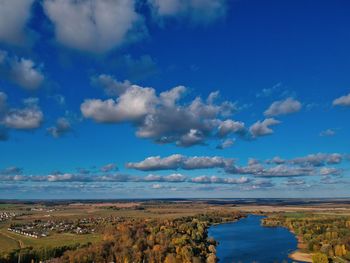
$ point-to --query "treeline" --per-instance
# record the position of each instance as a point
(30, 254)
(328, 235)
(182, 240)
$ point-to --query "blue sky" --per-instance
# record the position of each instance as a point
(173, 98)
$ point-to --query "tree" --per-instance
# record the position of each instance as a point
(319, 258)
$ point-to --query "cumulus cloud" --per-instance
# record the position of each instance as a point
(61, 127)
(257, 169)
(225, 144)
(14, 15)
(262, 128)
(229, 126)
(316, 160)
(26, 74)
(21, 71)
(203, 11)
(94, 25)
(342, 101)
(132, 105)
(296, 167)
(319, 159)
(219, 180)
(283, 107)
(173, 178)
(177, 161)
(68, 177)
(23, 119)
(276, 167)
(162, 118)
(26, 118)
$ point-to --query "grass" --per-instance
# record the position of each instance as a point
(7, 244)
(8, 240)
(296, 215)
(58, 240)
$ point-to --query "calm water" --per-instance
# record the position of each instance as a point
(247, 241)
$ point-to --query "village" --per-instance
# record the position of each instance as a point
(7, 215)
(41, 229)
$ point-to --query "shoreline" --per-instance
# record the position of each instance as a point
(299, 255)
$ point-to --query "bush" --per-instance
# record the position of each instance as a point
(319, 258)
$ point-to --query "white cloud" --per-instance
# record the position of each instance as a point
(198, 11)
(342, 101)
(24, 72)
(193, 137)
(230, 126)
(163, 118)
(226, 144)
(62, 127)
(177, 161)
(275, 171)
(261, 128)
(26, 118)
(218, 180)
(283, 107)
(14, 15)
(23, 119)
(319, 159)
(132, 105)
(157, 163)
(94, 25)
(172, 178)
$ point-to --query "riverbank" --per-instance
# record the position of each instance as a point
(300, 256)
(297, 254)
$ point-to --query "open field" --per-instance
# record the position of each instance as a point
(13, 240)
(7, 243)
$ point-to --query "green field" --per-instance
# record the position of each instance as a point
(10, 241)
(7, 243)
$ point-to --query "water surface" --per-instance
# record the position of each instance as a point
(247, 241)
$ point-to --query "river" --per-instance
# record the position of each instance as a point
(248, 241)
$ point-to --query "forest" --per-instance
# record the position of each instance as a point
(181, 239)
(326, 236)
